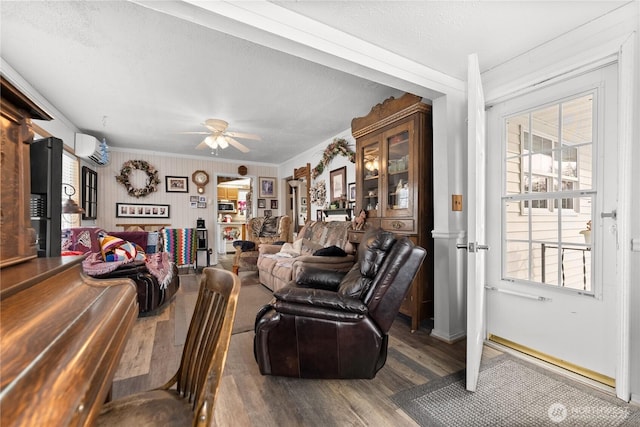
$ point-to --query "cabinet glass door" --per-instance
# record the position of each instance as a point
(398, 182)
(369, 196)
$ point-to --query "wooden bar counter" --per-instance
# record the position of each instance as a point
(61, 338)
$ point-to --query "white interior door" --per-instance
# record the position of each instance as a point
(554, 153)
(476, 247)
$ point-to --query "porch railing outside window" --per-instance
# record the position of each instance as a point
(549, 193)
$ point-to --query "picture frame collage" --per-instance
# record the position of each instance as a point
(267, 194)
(199, 202)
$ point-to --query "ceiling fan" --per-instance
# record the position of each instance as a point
(218, 137)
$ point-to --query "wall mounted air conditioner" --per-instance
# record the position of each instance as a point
(88, 147)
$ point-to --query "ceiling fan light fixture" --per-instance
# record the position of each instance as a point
(211, 142)
(222, 142)
(219, 138)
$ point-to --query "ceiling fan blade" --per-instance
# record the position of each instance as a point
(237, 144)
(202, 145)
(194, 133)
(243, 135)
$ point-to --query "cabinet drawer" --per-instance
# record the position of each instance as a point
(355, 236)
(399, 224)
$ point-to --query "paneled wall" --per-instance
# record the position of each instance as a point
(111, 192)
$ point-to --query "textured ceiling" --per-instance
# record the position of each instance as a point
(140, 77)
(440, 34)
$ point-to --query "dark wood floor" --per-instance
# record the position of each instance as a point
(247, 398)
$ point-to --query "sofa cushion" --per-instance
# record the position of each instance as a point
(328, 234)
(309, 247)
(269, 227)
(330, 251)
(353, 285)
(374, 248)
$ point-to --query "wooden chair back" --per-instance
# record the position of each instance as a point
(207, 342)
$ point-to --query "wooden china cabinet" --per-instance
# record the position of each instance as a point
(18, 238)
(394, 184)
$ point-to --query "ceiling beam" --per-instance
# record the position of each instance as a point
(278, 28)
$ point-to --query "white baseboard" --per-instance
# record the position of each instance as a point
(448, 338)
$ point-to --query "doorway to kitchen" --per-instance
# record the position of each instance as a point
(234, 207)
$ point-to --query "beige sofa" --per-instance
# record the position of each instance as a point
(260, 230)
(276, 268)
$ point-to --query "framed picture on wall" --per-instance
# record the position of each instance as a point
(274, 204)
(338, 183)
(267, 187)
(262, 203)
(139, 210)
(176, 184)
(352, 192)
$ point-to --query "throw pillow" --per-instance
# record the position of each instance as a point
(291, 249)
(117, 249)
(244, 245)
(269, 227)
(330, 251)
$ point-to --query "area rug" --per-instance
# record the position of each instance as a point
(513, 392)
(252, 297)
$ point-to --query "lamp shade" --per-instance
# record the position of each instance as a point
(69, 206)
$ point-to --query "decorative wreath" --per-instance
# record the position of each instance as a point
(338, 146)
(152, 178)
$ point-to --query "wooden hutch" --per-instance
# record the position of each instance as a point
(62, 332)
(394, 184)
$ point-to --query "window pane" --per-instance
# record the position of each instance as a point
(545, 226)
(517, 261)
(517, 132)
(585, 170)
(548, 264)
(549, 195)
(544, 125)
(577, 121)
(569, 162)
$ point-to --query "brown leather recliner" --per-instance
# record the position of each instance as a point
(334, 325)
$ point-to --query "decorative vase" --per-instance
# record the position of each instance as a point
(587, 236)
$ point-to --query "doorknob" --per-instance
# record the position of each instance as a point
(613, 214)
(472, 247)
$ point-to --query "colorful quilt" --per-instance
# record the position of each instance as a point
(181, 244)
